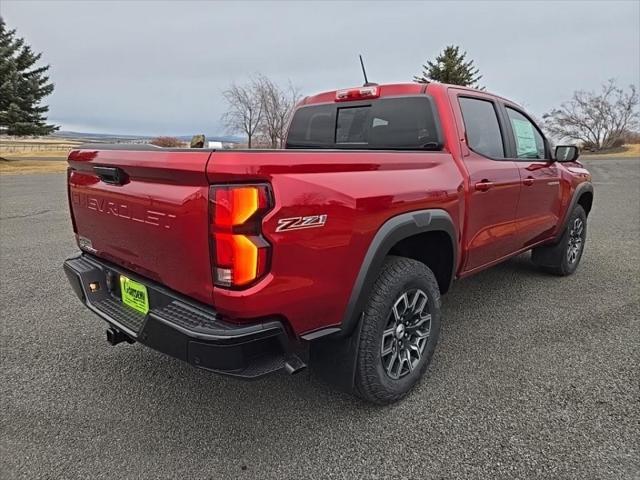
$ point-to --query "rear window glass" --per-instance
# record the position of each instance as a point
(313, 125)
(388, 123)
(352, 125)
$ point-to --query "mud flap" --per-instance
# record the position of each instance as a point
(550, 255)
(333, 359)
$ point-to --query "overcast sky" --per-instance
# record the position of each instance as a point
(159, 67)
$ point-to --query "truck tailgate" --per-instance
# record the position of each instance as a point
(146, 211)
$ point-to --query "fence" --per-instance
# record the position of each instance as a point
(34, 147)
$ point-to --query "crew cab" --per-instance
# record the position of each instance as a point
(332, 252)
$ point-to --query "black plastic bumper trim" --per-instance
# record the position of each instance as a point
(180, 327)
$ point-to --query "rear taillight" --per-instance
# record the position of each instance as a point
(73, 217)
(240, 255)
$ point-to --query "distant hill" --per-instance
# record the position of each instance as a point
(116, 138)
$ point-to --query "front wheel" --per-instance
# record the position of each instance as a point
(400, 329)
(564, 257)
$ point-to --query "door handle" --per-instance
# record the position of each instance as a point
(528, 181)
(484, 185)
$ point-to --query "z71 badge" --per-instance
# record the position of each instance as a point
(298, 223)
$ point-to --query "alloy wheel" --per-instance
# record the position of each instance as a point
(576, 241)
(406, 334)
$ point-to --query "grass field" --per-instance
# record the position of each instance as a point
(13, 167)
(32, 149)
(8, 155)
(34, 155)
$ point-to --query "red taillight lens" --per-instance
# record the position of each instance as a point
(240, 254)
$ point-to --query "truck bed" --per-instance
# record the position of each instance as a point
(157, 223)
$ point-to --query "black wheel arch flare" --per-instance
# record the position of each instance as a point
(390, 233)
(581, 189)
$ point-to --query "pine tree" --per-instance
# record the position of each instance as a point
(22, 87)
(450, 67)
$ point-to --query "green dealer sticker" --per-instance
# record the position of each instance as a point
(525, 138)
(134, 295)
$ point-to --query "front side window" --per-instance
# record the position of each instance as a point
(529, 141)
(482, 127)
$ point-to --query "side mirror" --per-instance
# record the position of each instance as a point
(567, 153)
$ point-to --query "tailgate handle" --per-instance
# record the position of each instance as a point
(111, 175)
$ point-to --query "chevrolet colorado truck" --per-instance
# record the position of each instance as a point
(332, 252)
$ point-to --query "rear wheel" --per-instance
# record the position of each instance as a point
(564, 257)
(400, 330)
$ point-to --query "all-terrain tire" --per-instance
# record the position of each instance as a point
(563, 257)
(401, 278)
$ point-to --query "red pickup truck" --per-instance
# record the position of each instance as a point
(332, 252)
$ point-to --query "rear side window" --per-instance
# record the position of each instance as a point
(388, 123)
(482, 127)
(529, 141)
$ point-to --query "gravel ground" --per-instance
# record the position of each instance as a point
(534, 376)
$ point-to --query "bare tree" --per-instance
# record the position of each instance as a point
(597, 120)
(277, 107)
(245, 109)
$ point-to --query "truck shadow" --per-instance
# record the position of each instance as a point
(180, 402)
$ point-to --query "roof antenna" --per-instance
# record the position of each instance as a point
(364, 72)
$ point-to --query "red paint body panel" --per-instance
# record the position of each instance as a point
(539, 206)
(157, 223)
(313, 270)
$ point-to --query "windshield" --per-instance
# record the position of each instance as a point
(389, 123)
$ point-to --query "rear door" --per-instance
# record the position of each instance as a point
(146, 211)
(494, 181)
(539, 206)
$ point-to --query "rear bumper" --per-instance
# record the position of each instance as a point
(180, 327)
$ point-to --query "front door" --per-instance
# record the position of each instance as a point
(539, 207)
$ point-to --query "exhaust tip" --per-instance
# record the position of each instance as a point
(294, 365)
